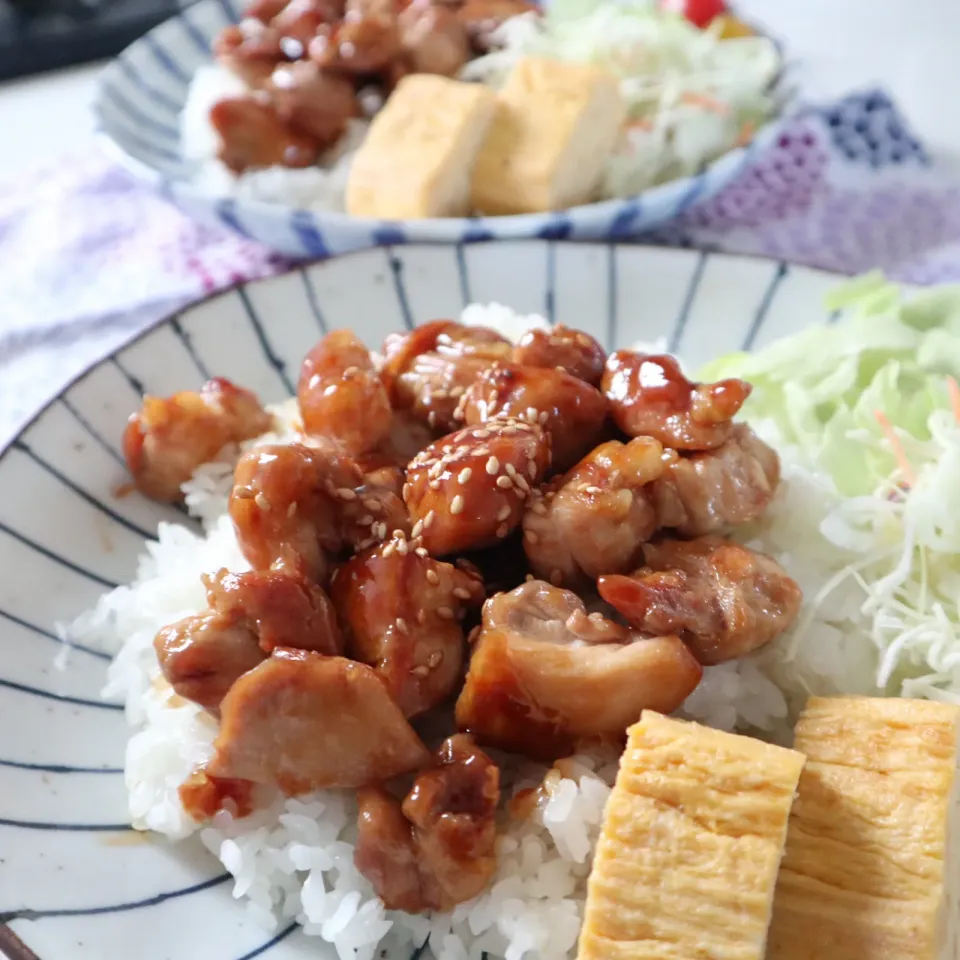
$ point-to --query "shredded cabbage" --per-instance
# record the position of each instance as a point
(690, 95)
(871, 405)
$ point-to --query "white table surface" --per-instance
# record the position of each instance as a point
(908, 46)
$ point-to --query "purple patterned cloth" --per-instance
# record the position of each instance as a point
(91, 256)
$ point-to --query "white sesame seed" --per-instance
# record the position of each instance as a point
(388, 549)
(504, 512)
(481, 451)
(531, 413)
(398, 534)
(333, 576)
(381, 530)
(402, 547)
(432, 419)
(539, 509)
(292, 509)
(456, 392)
(456, 505)
(402, 625)
(351, 371)
(345, 493)
(522, 483)
(439, 394)
(529, 578)
(464, 477)
(417, 529)
(432, 577)
(493, 466)
(594, 490)
(481, 434)
(597, 616)
(434, 659)
(544, 417)
(372, 505)
(366, 520)
(262, 502)
(406, 491)
(445, 613)
(504, 483)
(421, 616)
(419, 671)
(461, 593)
(421, 552)
(530, 536)
(447, 448)
(434, 484)
(428, 519)
(502, 531)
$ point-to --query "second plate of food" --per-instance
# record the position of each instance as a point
(318, 127)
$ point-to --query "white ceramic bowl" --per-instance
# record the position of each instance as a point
(75, 880)
(142, 93)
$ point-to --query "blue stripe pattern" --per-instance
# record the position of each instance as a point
(59, 768)
(48, 635)
(396, 269)
(311, 293)
(80, 492)
(52, 555)
(764, 307)
(60, 698)
(26, 914)
(677, 334)
(278, 365)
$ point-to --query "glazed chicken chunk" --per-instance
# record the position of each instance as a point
(428, 370)
(401, 613)
(302, 721)
(722, 599)
(436, 849)
(714, 490)
(296, 508)
(572, 350)
(168, 438)
(570, 410)
(596, 518)
(467, 490)
(650, 397)
(341, 396)
(545, 675)
(249, 615)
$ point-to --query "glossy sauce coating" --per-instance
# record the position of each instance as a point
(340, 394)
(468, 490)
(570, 410)
(401, 611)
(650, 397)
(574, 351)
(596, 518)
(428, 370)
(437, 849)
(168, 438)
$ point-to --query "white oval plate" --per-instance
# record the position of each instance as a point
(75, 880)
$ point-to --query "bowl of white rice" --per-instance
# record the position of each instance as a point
(100, 859)
(699, 109)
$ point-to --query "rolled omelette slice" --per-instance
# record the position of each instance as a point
(873, 851)
(691, 842)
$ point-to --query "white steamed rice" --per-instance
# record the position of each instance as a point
(295, 859)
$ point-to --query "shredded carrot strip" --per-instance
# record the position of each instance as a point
(887, 427)
(706, 101)
(747, 130)
(953, 388)
(641, 124)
